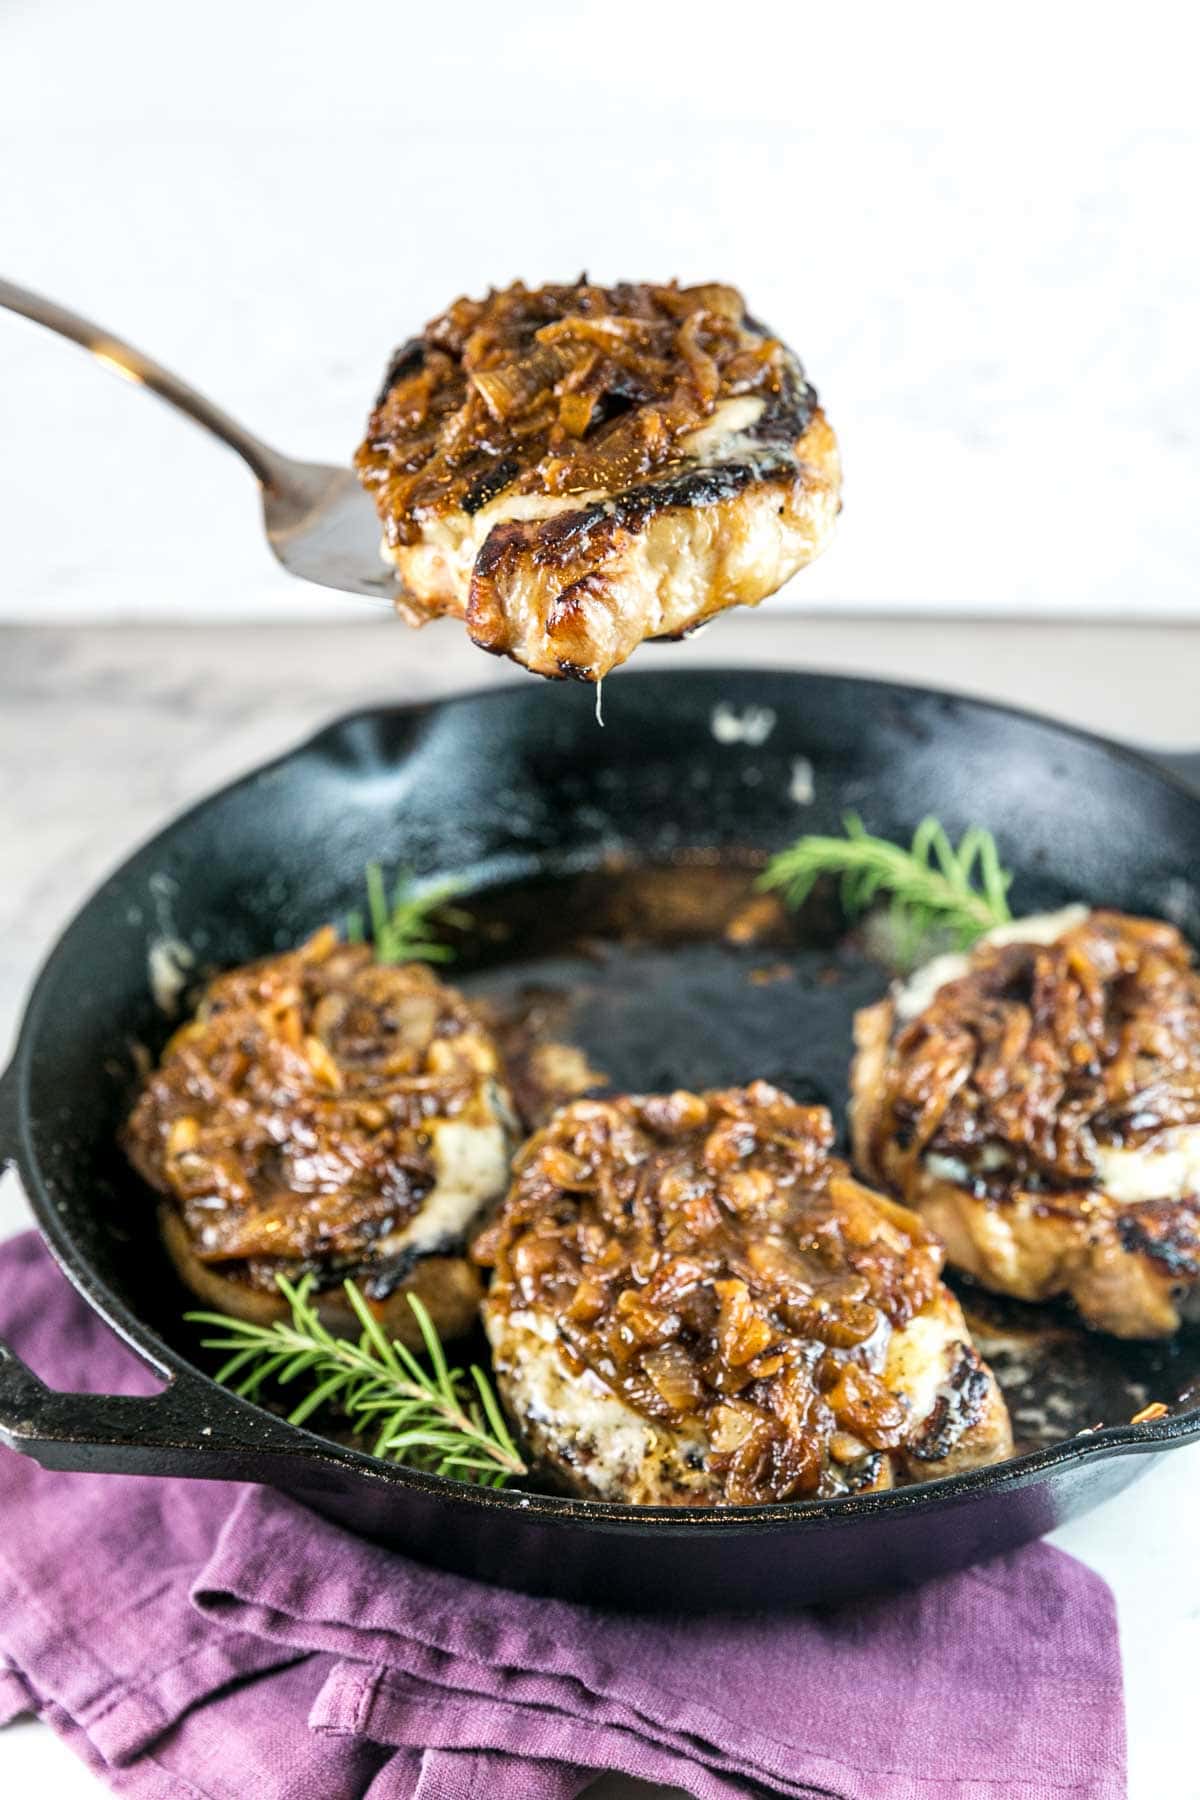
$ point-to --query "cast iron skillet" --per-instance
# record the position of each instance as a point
(636, 840)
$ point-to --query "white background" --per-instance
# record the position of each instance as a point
(977, 226)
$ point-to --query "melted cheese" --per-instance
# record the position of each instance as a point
(580, 1409)
(721, 439)
(952, 1168)
(616, 1450)
(912, 996)
(1166, 1168)
(472, 1169)
(450, 543)
(918, 1361)
(1038, 928)
(170, 964)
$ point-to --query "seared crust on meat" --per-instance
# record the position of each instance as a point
(1029, 1111)
(448, 1285)
(575, 469)
(961, 1418)
(325, 1114)
(577, 593)
(694, 1302)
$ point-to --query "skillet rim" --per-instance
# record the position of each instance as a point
(305, 1447)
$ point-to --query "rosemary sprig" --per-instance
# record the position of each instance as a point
(402, 922)
(932, 884)
(434, 1418)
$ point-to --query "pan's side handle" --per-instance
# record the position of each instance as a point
(188, 1429)
(192, 1427)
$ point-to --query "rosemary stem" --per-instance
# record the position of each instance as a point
(932, 883)
(427, 1418)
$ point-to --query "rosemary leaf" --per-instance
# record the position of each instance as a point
(932, 885)
(403, 923)
(431, 1418)
(433, 1347)
(229, 1369)
(373, 1330)
(264, 1370)
(491, 1408)
(296, 1365)
(317, 1396)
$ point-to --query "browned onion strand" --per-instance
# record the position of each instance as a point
(286, 1120)
(595, 386)
(1046, 1050)
(709, 1259)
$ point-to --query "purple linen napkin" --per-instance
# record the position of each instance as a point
(211, 1641)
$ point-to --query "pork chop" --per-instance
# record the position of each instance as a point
(326, 1114)
(693, 1302)
(1038, 1102)
(573, 470)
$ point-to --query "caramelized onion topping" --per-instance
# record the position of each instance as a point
(556, 390)
(1040, 1052)
(709, 1259)
(286, 1120)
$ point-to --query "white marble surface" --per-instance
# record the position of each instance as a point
(975, 235)
(104, 732)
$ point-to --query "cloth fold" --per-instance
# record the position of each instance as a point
(212, 1641)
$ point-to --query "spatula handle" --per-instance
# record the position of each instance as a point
(115, 353)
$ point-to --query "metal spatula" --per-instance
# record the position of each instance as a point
(319, 522)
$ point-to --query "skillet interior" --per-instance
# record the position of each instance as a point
(613, 859)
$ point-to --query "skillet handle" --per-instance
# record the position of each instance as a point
(192, 1427)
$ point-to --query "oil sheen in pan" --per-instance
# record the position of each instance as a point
(684, 976)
